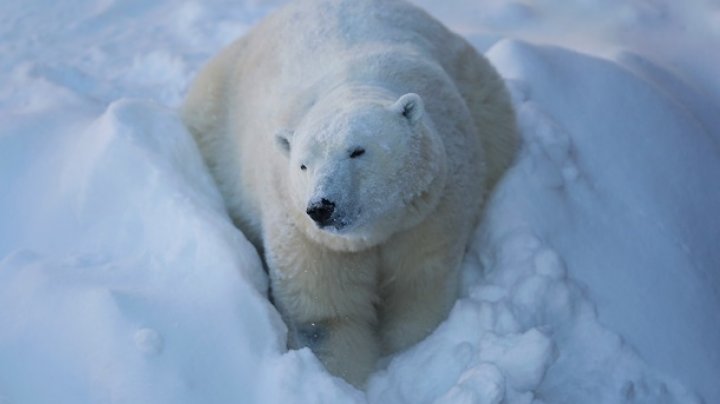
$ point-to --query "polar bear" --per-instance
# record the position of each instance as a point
(354, 143)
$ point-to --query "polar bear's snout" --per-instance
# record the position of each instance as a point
(321, 211)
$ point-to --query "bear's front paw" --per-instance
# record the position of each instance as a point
(348, 348)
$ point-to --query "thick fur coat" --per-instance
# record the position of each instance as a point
(354, 142)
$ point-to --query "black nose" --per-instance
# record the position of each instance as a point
(321, 211)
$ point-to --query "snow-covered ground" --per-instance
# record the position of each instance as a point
(595, 277)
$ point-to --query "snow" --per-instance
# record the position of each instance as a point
(593, 278)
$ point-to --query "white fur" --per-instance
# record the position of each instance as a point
(314, 82)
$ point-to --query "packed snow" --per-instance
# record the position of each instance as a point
(594, 277)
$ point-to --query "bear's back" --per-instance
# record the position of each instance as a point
(316, 34)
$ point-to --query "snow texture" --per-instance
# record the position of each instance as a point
(594, 278)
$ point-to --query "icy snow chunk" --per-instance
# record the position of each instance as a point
(548, 263)
(482, 384)
(299, 375)
(523, 359)
(506, 322)
(443, 357)
(529, 293)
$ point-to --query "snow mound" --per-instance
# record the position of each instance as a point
(628, 167)
(136, 266)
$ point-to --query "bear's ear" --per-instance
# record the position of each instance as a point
(282, 140)
(410, 106)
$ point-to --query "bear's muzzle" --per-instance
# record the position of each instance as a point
(321, 212)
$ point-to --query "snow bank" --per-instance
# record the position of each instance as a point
(593, 279)
(128, 265)
(630, 167)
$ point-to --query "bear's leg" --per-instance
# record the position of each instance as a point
(419, 282)
(413, 307)
(327, 298)
(347, 347)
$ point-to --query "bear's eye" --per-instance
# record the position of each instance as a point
(302, 167)
(357, 152)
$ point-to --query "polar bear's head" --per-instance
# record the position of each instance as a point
(362, 165)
